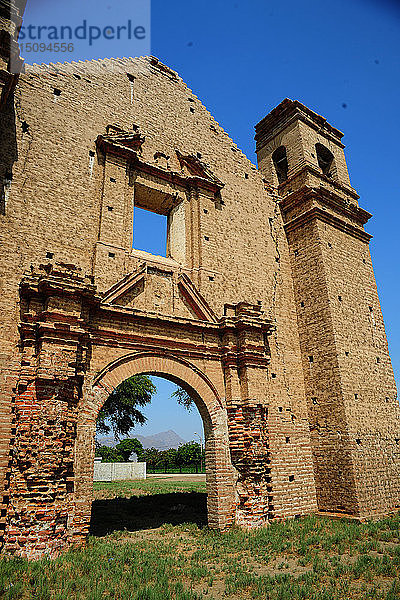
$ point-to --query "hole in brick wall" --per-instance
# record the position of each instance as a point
(49, 255)
(329, 245)
(356, 396)
(280, 409)
(205, 211)
(141, 513)
(291, 477)
(191, 109)
(310, 359)
(198, 155)
(277, 259)
(371, 309)
(397, 440)
(314, 400)
(77, 76)
(113, 180)
(211, 278)
(91, 153)
(24, 127)
(346, 352)
(387, 399)
(131, 77)
(111, 254)
(259, 302)
(150, 231)
(340, 298)
(281, 165)
(302, 304)
(213, 128)
(358, 441)
(378, 360)
(206, 238)
(191, 99)
(57, 92)
(273, 375)
(364, 261)
(287, 439)
(110, 208)
(246, 175)
(296, 252)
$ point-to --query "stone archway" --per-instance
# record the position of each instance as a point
(219, 470)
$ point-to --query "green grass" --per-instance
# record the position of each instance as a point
(312, 558)
(147, 486)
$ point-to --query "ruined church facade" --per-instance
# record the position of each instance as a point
(265, 307)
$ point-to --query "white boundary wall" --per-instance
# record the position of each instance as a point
(119, 471)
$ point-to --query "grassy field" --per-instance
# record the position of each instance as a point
(312, 558)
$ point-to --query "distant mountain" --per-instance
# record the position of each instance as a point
(161, 441)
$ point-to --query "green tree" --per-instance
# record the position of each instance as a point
(119, 412)
(190, 454)
(183, 398)
(108, 454)
(127, 446)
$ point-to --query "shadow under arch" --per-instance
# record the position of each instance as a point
(219, 470)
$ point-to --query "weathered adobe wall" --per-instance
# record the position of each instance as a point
(54, 207)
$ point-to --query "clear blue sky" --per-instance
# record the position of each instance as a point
(242, 57)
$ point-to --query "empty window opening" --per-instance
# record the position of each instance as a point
(149, 231)
(325, 159)
(281, 164)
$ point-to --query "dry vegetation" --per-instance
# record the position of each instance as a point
(312, 558)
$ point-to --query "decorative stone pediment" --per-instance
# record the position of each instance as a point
(159, 289)
(194, 167)
(118, 141)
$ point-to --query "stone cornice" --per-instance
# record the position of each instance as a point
(106, 145)
(327, 217)
(329, 198)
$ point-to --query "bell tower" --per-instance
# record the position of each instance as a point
(353, 410)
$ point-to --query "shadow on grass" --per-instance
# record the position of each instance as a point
(148, 512)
